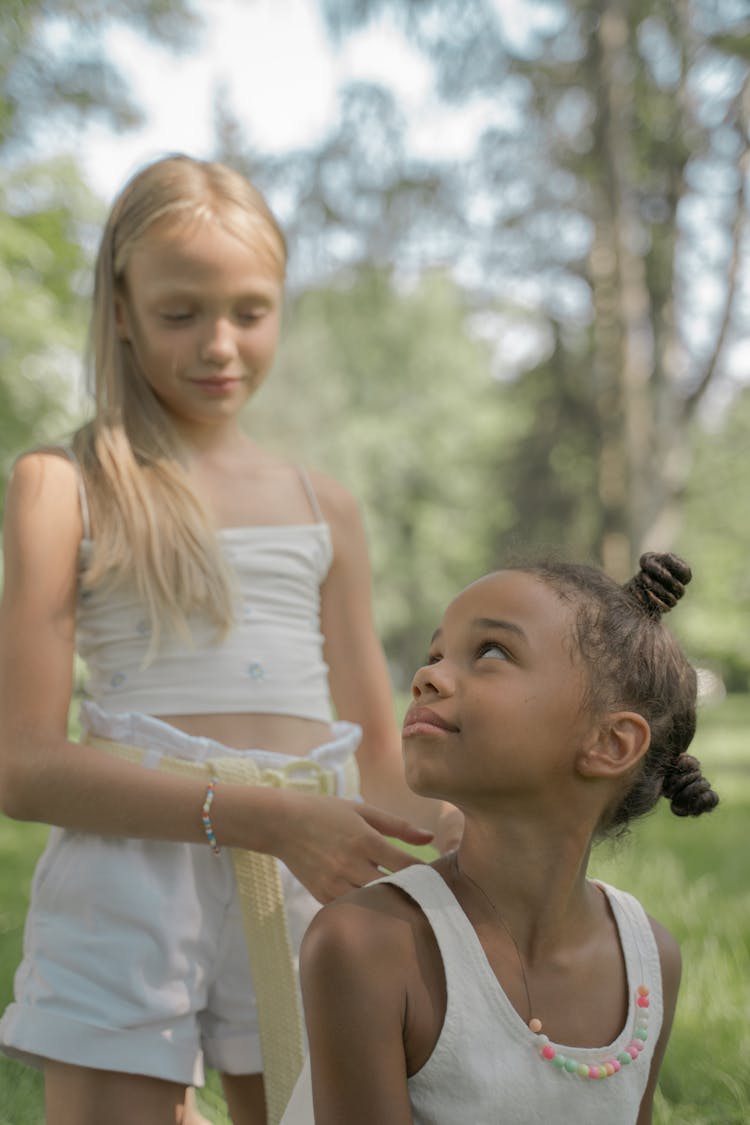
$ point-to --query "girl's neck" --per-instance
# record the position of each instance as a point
(221, 438)
(535, 881)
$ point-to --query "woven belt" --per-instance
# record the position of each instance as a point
(263, 910)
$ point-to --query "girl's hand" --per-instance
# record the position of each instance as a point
(333, 845)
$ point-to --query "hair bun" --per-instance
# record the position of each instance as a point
(688, 791)
(660, 583)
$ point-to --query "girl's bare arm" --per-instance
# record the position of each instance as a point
(355, 1001)
(359, 678)
(329, 843)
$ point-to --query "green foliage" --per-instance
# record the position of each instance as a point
(43, 220)
(716, 541)
(603, 195)
(53, 62)
(548, 470)
(733, 44)
(389, 392)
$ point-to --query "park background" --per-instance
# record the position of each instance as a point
(517, 320)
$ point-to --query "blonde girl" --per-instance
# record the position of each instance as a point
(220, 597)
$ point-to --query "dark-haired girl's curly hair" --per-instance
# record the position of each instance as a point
(634, 662)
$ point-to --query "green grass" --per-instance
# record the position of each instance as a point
(691, 875)
(21, 1098)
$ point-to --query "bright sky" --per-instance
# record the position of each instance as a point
(281, 75)
(271, 57)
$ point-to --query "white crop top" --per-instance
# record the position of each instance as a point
(270, 661)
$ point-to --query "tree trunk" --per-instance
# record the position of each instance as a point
(623, 339)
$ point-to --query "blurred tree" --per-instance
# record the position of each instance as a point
(716, 541)
(604, 212)
(41, 302)
(54, 64)
(547, 473)
(386, 388)
(360, 198)
(54, 68)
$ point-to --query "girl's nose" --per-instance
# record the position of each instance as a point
(219, 345)
(433, 679)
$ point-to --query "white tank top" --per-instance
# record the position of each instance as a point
(486, 1067)
(271, 661)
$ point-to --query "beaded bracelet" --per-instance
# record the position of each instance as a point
(208, 827)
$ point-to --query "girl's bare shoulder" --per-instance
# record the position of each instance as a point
(373, 951)
(42, 532)
(44, 488)
(375, 922)
(337, 502)
(44, 460)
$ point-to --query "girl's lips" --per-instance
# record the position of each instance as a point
(217, 386)
(421, 720)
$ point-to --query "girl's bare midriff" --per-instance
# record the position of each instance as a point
(285, 734)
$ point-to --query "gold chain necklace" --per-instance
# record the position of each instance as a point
(534, 1023)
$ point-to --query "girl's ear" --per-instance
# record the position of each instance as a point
(622, 739)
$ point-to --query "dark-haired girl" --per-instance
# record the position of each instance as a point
(501, 984)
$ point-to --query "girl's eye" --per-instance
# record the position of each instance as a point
(492, 649)
(249, 317)
(177, 317)
(433, 658)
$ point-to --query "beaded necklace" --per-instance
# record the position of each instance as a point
(599, 1069)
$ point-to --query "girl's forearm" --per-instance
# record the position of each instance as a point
(331, 844)
(84, 789)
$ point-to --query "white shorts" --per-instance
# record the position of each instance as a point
(134, 950)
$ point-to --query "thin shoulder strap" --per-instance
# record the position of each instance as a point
(83, 498)
(453, 930)
(310, 491)
(469, 978)
(638, 944)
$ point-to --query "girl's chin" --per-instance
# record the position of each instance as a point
(424, 784)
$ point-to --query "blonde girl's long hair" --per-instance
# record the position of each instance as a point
(149, 527)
